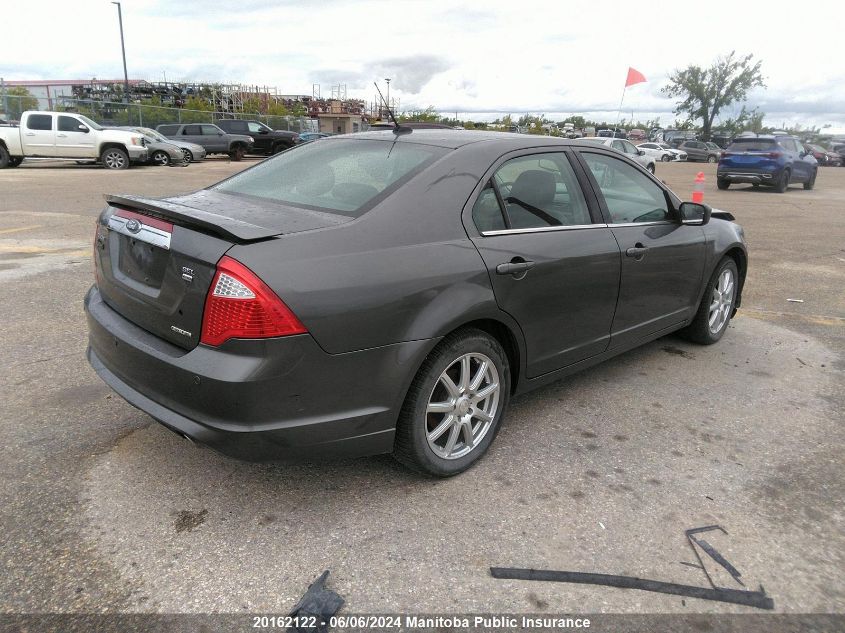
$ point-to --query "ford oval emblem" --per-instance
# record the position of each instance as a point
(133, 226)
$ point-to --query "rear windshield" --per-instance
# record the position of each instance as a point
(343, 176)
(752, 145)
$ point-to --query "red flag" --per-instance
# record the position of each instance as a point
(634, 77)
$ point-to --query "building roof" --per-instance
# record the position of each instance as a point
(67, 82)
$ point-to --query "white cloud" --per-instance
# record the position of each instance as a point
(470, 57)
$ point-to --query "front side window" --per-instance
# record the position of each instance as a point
(252, 126)
(39, 122)
(344, 176)
(210, 130)
(69, 124)
(541, 190)
(630, 195)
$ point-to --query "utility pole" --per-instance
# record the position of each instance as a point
(387, 101)
(123, 50)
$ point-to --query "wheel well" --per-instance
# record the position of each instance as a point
(507, 340)
(106, 146)
(238, 145)
(741, 261)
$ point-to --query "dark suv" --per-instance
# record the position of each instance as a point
(267, 140)
(774, 160)
(211, 137)
(699, 151)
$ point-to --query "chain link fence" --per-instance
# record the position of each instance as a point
(113, 113)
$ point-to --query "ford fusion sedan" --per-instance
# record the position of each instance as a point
(389, 293)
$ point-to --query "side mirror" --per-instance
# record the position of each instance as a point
(83, 128)
(220, 134)
(695, 213)
(640, 152)
(263, 131)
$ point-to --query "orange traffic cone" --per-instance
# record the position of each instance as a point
(698, 191)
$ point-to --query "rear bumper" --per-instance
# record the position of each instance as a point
(257, 399)
(741, 176)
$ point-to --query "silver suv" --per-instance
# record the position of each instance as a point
(624, 147)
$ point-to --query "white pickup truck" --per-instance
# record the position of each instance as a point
(64, 135)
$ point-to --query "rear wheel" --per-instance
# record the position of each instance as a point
(454, 406)
(238, 152)
(812, 181)
(717, 304)
(4, 157)
(114, 158)
(783, 183)
(722, 183)
(161, 158)
(711, 159)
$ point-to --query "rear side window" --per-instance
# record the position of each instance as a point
(192, 130)
(39, 122)
(540, 190)
(167, 130)
(752, 145)
(347, 177)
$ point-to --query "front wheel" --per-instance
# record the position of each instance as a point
(114, 158)
(161, 158)
(711, 159)
(666, 158)
(812, 181)
(189, 156)
(650, 167)
(454, 406)
(723, 183)
(717, 304)
(237, 153)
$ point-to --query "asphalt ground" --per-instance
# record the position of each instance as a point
(103, 510)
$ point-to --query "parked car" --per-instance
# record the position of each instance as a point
(772, 160)
(662, 151)
(267, 140)
(636, 135)
(625, 147)
(714, 148)
(699, 151)
(304, 137)
(211, 137)
(824, 156)
(160, 152)
(67, 136)
(192, 151)
(314, 314)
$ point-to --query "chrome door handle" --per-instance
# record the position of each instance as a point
(30, 133)
(61, 135)
(637, 252)
(514, 267)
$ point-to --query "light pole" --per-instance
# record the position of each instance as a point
(387, 79)
(123, 50)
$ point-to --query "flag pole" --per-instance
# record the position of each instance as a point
(619, 111)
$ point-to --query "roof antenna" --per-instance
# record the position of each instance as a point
(397, 129)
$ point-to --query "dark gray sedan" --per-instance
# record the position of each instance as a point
(380, 292)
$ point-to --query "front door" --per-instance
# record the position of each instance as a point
(553, 268)
(71, 141)
(214, 139)
(662, 259)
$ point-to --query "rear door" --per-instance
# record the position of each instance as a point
(193, 134)
(553, 264)
(38, 135)
(662, 259)
(71, 141)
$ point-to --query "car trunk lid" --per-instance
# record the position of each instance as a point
(155, 259)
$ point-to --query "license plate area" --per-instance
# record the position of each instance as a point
(143, 246)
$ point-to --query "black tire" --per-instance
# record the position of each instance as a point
(411, 446)
(4, 157)
(160, 158)
(14, 161)
(722, 183)
(189, 156)
(783, 183)
(666, 158)
(698, 331)
(711, 159)
(114, 158)
(650, 167)
(812, 181)
(755, 185)
(280, 147)
(238, 152)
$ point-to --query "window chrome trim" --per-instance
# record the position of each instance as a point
(656, 223)
(146, 233)
(543, 229)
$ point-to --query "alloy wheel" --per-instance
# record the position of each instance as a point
(114, 160)
(462, 406)
(721, 301)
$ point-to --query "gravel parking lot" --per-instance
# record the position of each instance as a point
(102, 509)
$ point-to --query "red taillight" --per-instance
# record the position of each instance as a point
(773, 155)
(240, 305)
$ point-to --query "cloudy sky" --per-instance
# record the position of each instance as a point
(481, 59)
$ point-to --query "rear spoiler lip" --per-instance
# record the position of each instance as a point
(223, 226)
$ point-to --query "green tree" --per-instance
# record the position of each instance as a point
(703, 92)
(18, 100)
